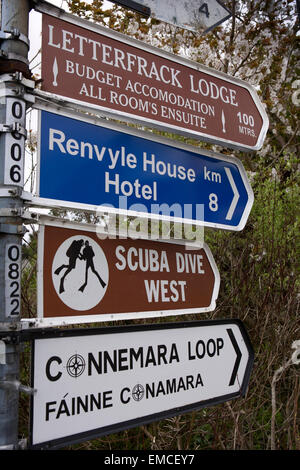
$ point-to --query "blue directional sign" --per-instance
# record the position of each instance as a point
(85, 165)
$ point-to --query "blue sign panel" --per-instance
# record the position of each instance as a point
(90, 165)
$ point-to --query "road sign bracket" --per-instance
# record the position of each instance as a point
(12, 56)
(16, 385)
(28, 217)
(14, 191)
(15, 35)
(19, 78)
(14, 128)
(17, 86)
(21, 445)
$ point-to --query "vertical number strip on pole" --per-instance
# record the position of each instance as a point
(14, 143)
(12, 280)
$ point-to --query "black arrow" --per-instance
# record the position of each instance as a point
(238, 356)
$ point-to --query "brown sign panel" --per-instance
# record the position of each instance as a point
(90, 277)
(99, 68)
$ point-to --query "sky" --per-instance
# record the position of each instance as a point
(35, 26)
(35, 31)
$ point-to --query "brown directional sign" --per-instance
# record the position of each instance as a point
(98, 68)
(85, 276)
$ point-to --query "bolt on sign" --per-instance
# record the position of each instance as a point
(98, 68)
(85, 275)
(91, 382)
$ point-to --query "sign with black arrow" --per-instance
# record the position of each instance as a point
(91, 382)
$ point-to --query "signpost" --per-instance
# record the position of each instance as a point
(117, 169)
(15, 86)
(195, 15)
(100, 69)
(92, 382)
(85, 275)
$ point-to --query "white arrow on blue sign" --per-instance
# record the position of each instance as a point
(85, 165)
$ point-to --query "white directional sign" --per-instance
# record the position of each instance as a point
(194, 15)
(92, 382)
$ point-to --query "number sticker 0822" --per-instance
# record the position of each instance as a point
(12, 280)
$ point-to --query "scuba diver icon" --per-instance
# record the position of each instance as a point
(74, 253)
(88, 255)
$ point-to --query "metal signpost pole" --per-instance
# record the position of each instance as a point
(14, 82)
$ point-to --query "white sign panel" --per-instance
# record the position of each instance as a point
(92, 382)
(194, 15)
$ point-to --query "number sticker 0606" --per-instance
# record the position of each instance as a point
(15, 143)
